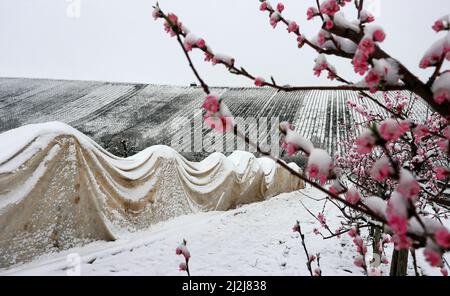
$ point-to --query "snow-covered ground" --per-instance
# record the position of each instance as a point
(255, 239)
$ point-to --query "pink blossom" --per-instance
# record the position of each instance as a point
(201, 43)
(174, 22)
(280, 7)
(178, 251)
(188, 46)
(359, 261)
(438, 26)
(379, 35)
(446, 132)
(401, 242)
(182, 250)
(443, 144)
(433, 257)
(322, 218)
(300, 41)
(293, 27)
(443, 238)
(211, 104)
(263, 6)
(156, 13)
(399, 224)
(408, 186)
(312, 258)
(367, 46)
(367, 17)
(360, 246)
(353, 232)
(259, 81)
(360, 63)
(208, 56)
(291, 149)
(352, 196)
(425, 63)
(373, 79)
(384, 260)
(329, 24)
(391, 130)
(311, 13)
(336, 187)
(442, 173)
(329, 7)
(397, 215)
(442, 96)
(381, 170)
(366, 142)
(444, 271)
(314, 172)
(219, 122)
(421, 131)
(182, 266)
(321, 38)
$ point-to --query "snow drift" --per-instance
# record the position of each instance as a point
(59, 189)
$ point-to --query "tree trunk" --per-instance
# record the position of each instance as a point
(399, 263)
(376, 237)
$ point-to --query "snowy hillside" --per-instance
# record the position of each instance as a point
(254, 239)
(147, 115)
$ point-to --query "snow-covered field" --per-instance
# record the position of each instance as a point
(255, 239)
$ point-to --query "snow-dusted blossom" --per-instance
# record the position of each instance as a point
(156, 14)
(353, 196)
(329, 7)
(292, 141)
(433, 257)
(353, 232)
(329, 24)
(293, 27)
(360, 246)
(442, 24)
(182, 266)
(408, 186)
(382, 169)
(319, 165)
(275, 18)
(366, 142)
(397, 214)
(259, 81)
(438, 51)
(265, 6)
(359, 261)
(441, 88)
(172, 24)
(421, 131)
(322, 219)
(366, 16)
(311, 13)
(218, 116)
(191, 41)
(390, 129)
(442, 173)
(280, 7)
(442, 237)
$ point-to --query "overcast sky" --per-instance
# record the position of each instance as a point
(117, 40)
